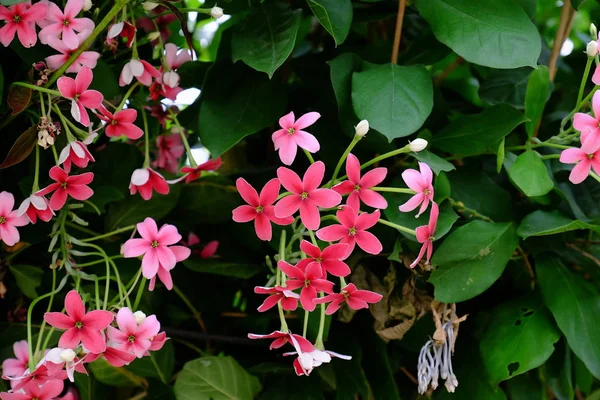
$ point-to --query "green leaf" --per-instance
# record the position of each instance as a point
(28, 278)
(520, 337)
(215, 378)
(576, 3)
(223, 268)
(105, 80)
(209, 200)
(471, 259)
(335, 16)
(11, 2)
(266, 38)
(575, 305)
(505, 86)
(395, 100)
(112, 376)
(530, 174)
(437, 163)
(500, 155)
(538, 89)
(541, 223)
(494, 33)
(236, 102)
(442, 188)
(474, 134)
(529, 6)
(560, 372)
(159, 364)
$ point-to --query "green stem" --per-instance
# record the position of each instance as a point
(90, 263)
(305, 328)
(190, 306)
(109, 234)
(319, 342)
(550, 156)
(184, 140)
(353, 143)
(43, 326)
(284, 327)
(581, 104)
(309, 156)
(70, 137)
(588, 65)
(596, 177)
(55, 154)
(36, 177)
(38, 88)
(398, 227)
(147, 139)
(393, 190)
(127, 95)
(107, 287)
(138, 297)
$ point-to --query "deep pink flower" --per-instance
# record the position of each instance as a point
(425, 235)
(48, 391)
(194, 173)
(596, 76)
(260, 208)
(289, 299)
(360, 188)
(115, 357)
(77, 91)
(158, 341)
(36, 207)
(586, 158)
(309, 280)
(207, 252)
(81, 327)
(41, 374)
(158, 250)
(291, 136)
(353, 230)
(305, 195)
(170, 149)
(65, 185)
(282, 338)
(420, 182)
(10, 219)
(589, 126)
(20, 18)
(77, 153)
(146, 180)
(65, 24)
(120, 123)
(12, 367)
(131, 337)
(355, 298)
(141, 70)
(87, 58)
(329, 260)
(123, 29)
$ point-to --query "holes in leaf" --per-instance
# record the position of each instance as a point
(512, 368)
(528, 313)
(518, 322)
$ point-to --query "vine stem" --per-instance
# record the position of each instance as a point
(398, 33)
(566, 16)
(353, 143)
(398, 227)
(147, 141)
(191, 307)
(284, 327)
(586, 73)
(38, 88)
(109, 234)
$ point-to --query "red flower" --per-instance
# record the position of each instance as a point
(355, 298)
(65, 185)
(77, 153)
(309, 280)
(121, 123)
(194, 173)
(289, 299)
(360, 188)
(329, 260)
(146, 180)
(36, 207)
(282, 338)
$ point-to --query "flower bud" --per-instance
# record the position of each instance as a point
(87, 5)
(417, 145)
(593, 31)
(152, 36)
(67, 355)
(149, 6)
(592, 49)
(171, 79)
(362, 128)
(139, 317)
(216, 12)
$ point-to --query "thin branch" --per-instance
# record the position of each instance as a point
(448, 70)
(398, 33)
(564, 27)
(585, 253)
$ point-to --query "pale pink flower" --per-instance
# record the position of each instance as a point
(65, 358)
(81, 98)
(65, 185)
(131, 337)
(289, 299)
(170, 149)
(65, 24)
(586, 158)
(305, 195)
(420, 182)
(588, 125)
(48, 391)
(352, 230)
(121, 123)
(123, 29)
(36, 207)
(355, 298)
(291, 136)
(310, 280)
(10, 220)
(193, 173)
(329, 260)
(360, 188)
(87, 58)
(77, 153)
(176, 58)
(425, 235)
(596, 76)
(157, 248)
(260, 209)
(282, 338)
(20, 18)
(146, 180)
(17, 366)
(81, 327)
(141, 70)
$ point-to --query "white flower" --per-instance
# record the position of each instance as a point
(67, 355)
(362, 128)
(216, 12)
(132, 68)
(593, 31)
(148, 5)
(171, 79)
(592, 49)
(87, 5)
(417, 145)
(139, 317)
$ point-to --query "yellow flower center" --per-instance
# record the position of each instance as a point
(154, 244)
(304, 195)
(291, 131)
(2, 220)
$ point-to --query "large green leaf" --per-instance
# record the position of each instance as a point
(224, 268)
(541, 223)
(335, 16)
(538, 88)
(395, 100)
(505, 86)
(474, 134)
(520, 337)
(575, 305)
(159, 364)
(209, 200)
(266, 38)
(112, 376)
(437, 163)
(215, 378)
(28, 278)
(494, 33)
(471, 259)
(530, 174)
(236, 102)
(559, 370)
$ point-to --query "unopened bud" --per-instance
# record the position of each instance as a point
(67, 355)
(152, 36)
(87, 5)
(417, 145)
(592, 49)
(593, 31)
(139, 317)
(216, 12)
(148, 5)
(362, 128)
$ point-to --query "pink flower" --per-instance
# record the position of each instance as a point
(115, 357)
(66, 358)
(42, 374)
(123, 29)
(586, 158)
(10, 220)
(170, 149)
(588, 125)
(355, 298)
(420, 182)
(20, 18)
(307, 361)
(77, 91)
(289, 299)
(306, 195)
(77, 153)
(12, 367)
(131, 337)
(66, 24)
(65, 185)
(353, 230)
(157, 342)
(309, 280)
(141, 70)
(360, 188)
(87, 58)
(596, 76)
(291, 136)
(329, 260)
(174, 58)
(282, 338)
(158, 250)
(207, 252)
(36, 207)
(260, 208)
(194, 173)
(425, 235)
(81, 327)
(121, 123)
(146, 180)
(48, 391)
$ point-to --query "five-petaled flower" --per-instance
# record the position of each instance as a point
(589, 126)
(425, 235)
(36, 207)
(120, 123)
(329, 260)
(81, 97)
(50, 390)
(288, 299)
(291, 136)
(147, 180)
(355, 298)
(65, 185)
(282, 338)
(10, 220)
(421, 183)
(20, 18)
(87, 58)
(77, 153)
(17, 366)
(310, 280)
(65, 24)
(360, 188)
(586, 158)
(193, 173)
(142, 70)
(132, 337)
